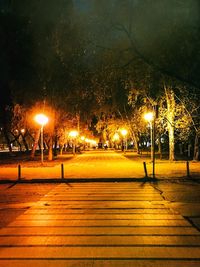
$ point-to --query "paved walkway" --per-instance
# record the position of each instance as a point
(100, 164)
(100, 225)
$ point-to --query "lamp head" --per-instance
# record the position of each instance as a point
(73, 134)
(149, 116)
(124, 132)
(41, 119)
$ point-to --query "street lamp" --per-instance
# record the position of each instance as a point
(22, 131)
(73, 135)
(115, 139)
(124, 133)
(82, 138)
(150, 117)
(42, 120)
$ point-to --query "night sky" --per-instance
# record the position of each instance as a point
(48, 44)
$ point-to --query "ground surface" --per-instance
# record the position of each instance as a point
(136, 223)
(98, 164)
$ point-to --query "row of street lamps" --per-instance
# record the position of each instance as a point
(116, 137)
(150, 118)
(42, 120)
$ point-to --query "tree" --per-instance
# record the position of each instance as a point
(173, 119)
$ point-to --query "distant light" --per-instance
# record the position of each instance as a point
(82, 138)
(162, 140)
(115, 137)
(148, 116)
(42, 119)
(22, 130)
(124, 132)
(73, 134)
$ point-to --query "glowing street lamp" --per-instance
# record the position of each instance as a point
(42, 120)
(124, 133)
(115, 137)
(150, 118)
(82, 138)
(73, 134)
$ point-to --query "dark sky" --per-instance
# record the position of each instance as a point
(162, 33)
(82, 5)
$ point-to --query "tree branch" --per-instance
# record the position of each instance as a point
(150, 62)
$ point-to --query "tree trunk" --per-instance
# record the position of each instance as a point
(37, 136)
(25, 143)
(196, 148)
(16, 139)
(7, 139)
(160, 147)
(171, 142)
(55, 145)
(50, 155)
(135, 140)
(61, 149)
(170, 120)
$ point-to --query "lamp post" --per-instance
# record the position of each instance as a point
(124, 134)
(42, 120)
(73, 135)
(150, 117)
(115, 139)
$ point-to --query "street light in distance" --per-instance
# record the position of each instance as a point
(124, 133)
(42, 120)
(150, 118)
(73, 134)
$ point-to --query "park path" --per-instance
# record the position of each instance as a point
(91, 164)
(100, 225)
(99, 164)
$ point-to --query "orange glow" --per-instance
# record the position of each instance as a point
(124, 132)
(41, 119)
(116, 137)
(148, 116)
(73, 134)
